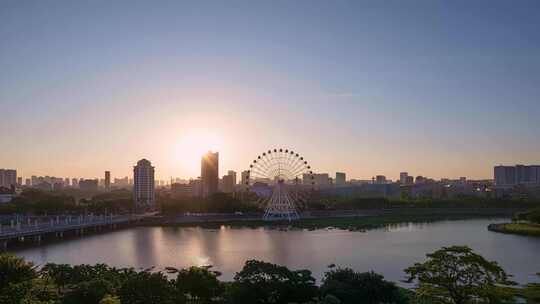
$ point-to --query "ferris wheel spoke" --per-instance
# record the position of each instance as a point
(298, 165)
(258, 173)
(265, 161)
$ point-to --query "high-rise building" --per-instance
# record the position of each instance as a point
(409, 180)
(121, 182)
(144, 185)
(403, 178)
(19, 181)
(233, 174)
(179, 190)
(210, 173)
(107, 180)
(66, 182)
(8, 178)
(228, 185)
(74, 183)
(28, 182)
(318, 179)
(380, 179)
(244, 177)
(518, 174)
(340, 178)
(88, 184)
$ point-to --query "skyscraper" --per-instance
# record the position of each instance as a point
(403, 177)
(243, 177)
(8, 178)
(228, 185)
(233, 175)
(107, 180)
(340, 178)
(210, 173)
(143, 188)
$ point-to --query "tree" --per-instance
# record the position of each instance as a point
(14, 270)
(198, 283)
(90, 292)
(354, 287)
(146, 287)
(457, 275)
(261, 282)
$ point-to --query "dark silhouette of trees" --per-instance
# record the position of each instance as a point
(457, 275)
(199, 284)
(261, 282)
(354, 287)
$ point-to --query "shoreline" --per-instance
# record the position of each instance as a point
(360, 221)
(523, 229)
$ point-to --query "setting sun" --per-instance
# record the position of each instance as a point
(193, 144)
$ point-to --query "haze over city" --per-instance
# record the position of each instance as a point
(365, 88)
(278, 151)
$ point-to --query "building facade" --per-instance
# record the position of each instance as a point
(233, 175)
(210, 173)
(87, 184)
(8, 178)
(107, 180)
(516, 175)
(228, 184)
(340, 178)
(144, 185)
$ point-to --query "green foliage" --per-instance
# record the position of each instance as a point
(360, 203)
(353, 287)
(532, 215)
(40, 202)
(14, 270)
(35, 201)
(457, 275)
(116, 201)
(108, 299)
(90, 292)
(198, 283)
(261, 282)
(146, 287)
(450, 275)
(63, 274)
(216, 203)
(35, 291)
(329, 299)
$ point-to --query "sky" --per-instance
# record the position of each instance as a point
(434, 88)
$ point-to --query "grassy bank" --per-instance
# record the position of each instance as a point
(516, 228)
(348, 223)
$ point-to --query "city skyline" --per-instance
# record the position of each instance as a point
(441, 89)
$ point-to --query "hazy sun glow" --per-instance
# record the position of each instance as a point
(193, 144)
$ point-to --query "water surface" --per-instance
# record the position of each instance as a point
(387, 251)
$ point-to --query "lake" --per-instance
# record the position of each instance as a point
(387, 251)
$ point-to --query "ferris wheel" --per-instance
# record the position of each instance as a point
(282, 179)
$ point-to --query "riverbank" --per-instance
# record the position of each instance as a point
(346, 220)
(516, 228)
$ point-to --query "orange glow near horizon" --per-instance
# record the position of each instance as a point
(193, 144)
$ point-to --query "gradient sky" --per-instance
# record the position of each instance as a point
(437, 88)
